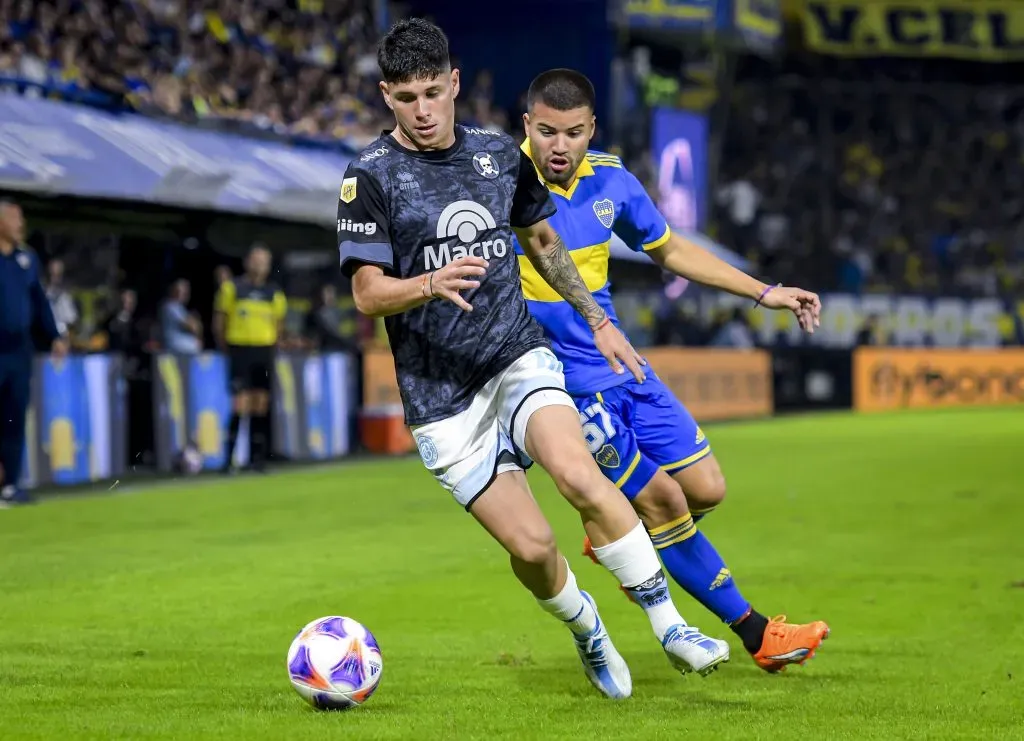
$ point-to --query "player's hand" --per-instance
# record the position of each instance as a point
(454, 277)
(806, 306)
(616, 349)
(59, 348)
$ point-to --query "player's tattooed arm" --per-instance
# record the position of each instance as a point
(545, 249)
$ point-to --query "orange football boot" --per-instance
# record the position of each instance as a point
(786, 644)
(588, 551)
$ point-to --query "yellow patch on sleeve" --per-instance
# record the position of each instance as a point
(348, 190)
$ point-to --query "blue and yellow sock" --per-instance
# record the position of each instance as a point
(700, 514)
(695, 565)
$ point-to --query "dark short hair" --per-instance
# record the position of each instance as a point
(563, 90)
(414, 49)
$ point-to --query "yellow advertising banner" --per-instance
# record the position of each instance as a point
(886, 379)
(990, 30)
(716, 385)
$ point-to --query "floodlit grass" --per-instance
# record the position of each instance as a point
(166, 612)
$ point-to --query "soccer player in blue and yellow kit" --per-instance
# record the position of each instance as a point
(642, 437)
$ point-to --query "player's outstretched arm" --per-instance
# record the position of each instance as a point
(379, 295)
(545, 249)
(688, 259)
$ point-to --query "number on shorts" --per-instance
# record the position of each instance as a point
(597, 427)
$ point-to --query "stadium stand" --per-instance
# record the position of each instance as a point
(847, 175)
(861, 177)
(288, 68)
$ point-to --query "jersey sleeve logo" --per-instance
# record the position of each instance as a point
(605, 212)
(348, 190)
(486, 165)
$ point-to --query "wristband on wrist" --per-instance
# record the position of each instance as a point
(765, 292)
(427, 285)
(604, 323)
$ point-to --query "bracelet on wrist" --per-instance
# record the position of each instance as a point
(765, 292)
(604, 323)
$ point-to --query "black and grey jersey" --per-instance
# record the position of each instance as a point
(412, 212)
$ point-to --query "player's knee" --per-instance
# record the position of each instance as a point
(533, 545)
(661, 501)
(707, 490)
(580, 482)
(713, 492)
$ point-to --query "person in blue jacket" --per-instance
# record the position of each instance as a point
(25, 316)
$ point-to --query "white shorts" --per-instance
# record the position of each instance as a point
(466, 452)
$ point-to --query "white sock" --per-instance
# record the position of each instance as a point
(634, 562)
(570, 607)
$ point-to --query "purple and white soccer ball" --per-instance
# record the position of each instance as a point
(334, 663)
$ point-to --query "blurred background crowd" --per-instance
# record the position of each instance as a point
(856, 176)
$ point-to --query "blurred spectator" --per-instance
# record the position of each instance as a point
(61, 302)
(122, 326)
(734, 331)
(323, 324)
(221, 274)
(870, 332)
(180, 330)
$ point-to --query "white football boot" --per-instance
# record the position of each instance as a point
(604, 666)
(689, 650)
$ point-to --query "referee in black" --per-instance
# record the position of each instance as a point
(25, 316)
(247, 323)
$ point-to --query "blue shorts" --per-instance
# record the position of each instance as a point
(635, 429)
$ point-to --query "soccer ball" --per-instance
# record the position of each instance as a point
(334, 663)
(190, 460)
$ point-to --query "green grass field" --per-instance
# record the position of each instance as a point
(166, 611)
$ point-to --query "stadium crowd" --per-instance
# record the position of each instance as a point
(300, 67)
(836, 174)
(866, 177)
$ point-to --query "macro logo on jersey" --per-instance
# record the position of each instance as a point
(605, 212)
(700, 437)
(608, 456)
(458, 230)
(486, 165)
(348, 190)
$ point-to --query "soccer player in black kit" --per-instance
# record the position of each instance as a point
(425, 221)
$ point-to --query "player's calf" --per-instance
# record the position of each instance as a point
(508, 511)
(696, 565)
(621, 544)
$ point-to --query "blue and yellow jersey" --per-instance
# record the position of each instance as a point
(604, 199)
